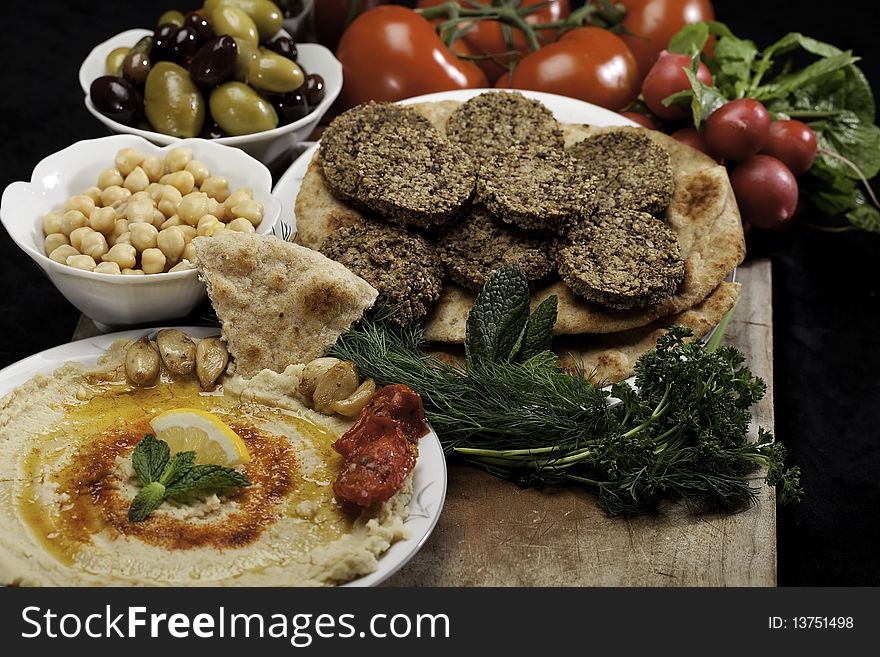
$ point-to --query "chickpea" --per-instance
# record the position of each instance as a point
(216, 208)
(199, 170)
(81, 262)
(189, 252)
(143, 236)
(204, 220)
(217, 187)
(127, 159)
(153, 261)
(250, 210)
(137, 180)
(171, 222)
(125, 238)
(110, 178)
(71, 220)
(133, 272)
(172, 242)
(169, 201)
(94, 245)
(113, 195)
(93, 193)
(120, 228)
(153, 167)
(189, 232)
(103, 220)
(182, 266)
(81, 202)
(52, 222)
(236, 197)
(192, 207)
(76, 237)
(54, 240)
(62, 253)
(142, 196)
(177, 159)
(155, 190)
(140, 212)
(209, 228)
(241, 225)
(182, 180)
(123, 255)
(108, 268)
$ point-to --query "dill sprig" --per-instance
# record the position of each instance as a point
(681, 433)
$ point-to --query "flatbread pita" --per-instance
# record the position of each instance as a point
(703, 213)
(280, 303)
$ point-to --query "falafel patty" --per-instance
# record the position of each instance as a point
(473, 249)
(629, 168)
(622, 259)
(413, 176)
(402, 266)
(347, 133)
(536, 188)
(496, 120)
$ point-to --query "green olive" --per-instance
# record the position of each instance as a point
(246, 52)
(171, 16)
(265, 14)
(172, 102)
(113, 63)
(273, 73)
(226, 19)
(239, 110)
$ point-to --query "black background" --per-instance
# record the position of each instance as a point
(825, 308)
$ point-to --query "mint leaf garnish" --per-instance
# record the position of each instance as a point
(496, 322)
(539, 330)
(200, 477)
(149, 458)
(162, 475)
(146, 501)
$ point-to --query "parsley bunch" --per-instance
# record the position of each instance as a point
(681, 433)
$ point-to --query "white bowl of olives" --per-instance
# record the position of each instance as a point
(218, 75)
(111, 221)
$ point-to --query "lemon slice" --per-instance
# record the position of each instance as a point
(191, 429)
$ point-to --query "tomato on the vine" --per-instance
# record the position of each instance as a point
(650, 24)
(390, 52)
(486, 38)
(330, 17)
(588, 63)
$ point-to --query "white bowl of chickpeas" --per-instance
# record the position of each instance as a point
(110, 221)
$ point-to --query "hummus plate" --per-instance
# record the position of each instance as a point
(429, 476)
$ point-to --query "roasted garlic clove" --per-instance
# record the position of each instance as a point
(141, 363)
(313, 371)
(211, 361)
(356, 401)
(177, 350)
(337, 383)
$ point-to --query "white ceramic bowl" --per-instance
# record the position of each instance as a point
(116, 299)
(267, 146)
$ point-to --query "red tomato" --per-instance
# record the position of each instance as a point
(487, 37)
(651, 23)
(330, 15)
(390, 52)
(588, 63)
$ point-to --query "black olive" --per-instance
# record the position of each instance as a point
(117, 98)
(163, 45)
(214, 62)
(313, 88)
(200, 25)
(283, 46)
(212, 131)
(185, 44)
(290, 107)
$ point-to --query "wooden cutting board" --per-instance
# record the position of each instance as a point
(491, 533)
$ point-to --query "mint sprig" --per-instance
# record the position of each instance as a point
(163, 475)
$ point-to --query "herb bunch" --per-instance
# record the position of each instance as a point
(681, 433)
(162, 475)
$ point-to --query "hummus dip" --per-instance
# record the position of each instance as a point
(66, 483)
